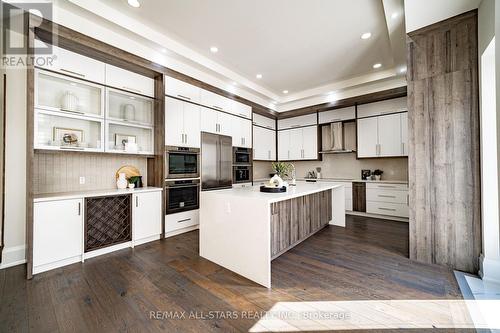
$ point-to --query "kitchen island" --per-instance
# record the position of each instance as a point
(243, 229)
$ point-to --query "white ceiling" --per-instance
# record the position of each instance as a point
(296, 45)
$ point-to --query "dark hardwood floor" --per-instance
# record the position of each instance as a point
(367, 260)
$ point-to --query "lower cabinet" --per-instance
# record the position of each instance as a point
(57, 234)
(60, 230)
(387, 199)
(146, 217)
(181, 222)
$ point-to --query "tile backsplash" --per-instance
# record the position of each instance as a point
(343, 166)
(61, 172)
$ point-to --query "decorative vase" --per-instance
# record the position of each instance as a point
(70, 101)
(131, 185)
(277, 181)
(377, 177)
(121, 182)
(128, 112)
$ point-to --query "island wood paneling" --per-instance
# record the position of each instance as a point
(294, 220)
(443, 127)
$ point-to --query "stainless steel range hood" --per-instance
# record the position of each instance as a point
(337, 138)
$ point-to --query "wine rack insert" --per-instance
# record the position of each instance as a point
(108, 221)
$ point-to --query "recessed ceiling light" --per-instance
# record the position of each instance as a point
(259, 76)
(214, 49)
(377, 66)
(285, 91)
(134, 3)
(394, 15)
(366, 35)
(164, 50)
(235, 83)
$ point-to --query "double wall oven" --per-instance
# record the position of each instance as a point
(182, 186)
(242, 165)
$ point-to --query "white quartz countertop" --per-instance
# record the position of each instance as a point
(96, 193)
(345, 180)
(253, 192)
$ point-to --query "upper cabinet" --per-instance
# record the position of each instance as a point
(298, 144)
(182, 123)
(123, 79)
(242, 110)
(264, 121)
(264, 144)
(242, 132)
(76, 65)
(182, 90)
(383, 136)
(216, 101)
(132, 108)
(384, 107)
(216, 122)
(300, 121)
(332, 116)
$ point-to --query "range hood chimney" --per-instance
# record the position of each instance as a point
(334, 138)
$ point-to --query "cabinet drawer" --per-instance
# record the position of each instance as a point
(393, 196)
(180, 89)
(306, 120)
(264, 121)
(378, 108)
(386, 208)
(332, 116)
(130, 81)
(387, 186)
(181, 220)
(76, 65)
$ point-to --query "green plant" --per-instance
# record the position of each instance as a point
(133, 179)
(378, 172)
(282, 169)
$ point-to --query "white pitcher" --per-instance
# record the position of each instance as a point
(121, 182)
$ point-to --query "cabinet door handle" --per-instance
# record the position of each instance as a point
(186, 137)
(132, 89)
(185, 220)
(386, 186)
(269, 154)
(386, 196)
(184, 97)
(242, 114)
(295, 126)
(407, 199)
(216, 107)
(137, 201)
(72, 72)
(79, 208)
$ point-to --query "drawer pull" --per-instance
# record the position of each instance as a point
(243, 115)
(389, 209)
(386, 196)
(184, 97)
(386, 186)
(72, 72)
(216, 107)
(185, 220)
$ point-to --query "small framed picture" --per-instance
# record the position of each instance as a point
(68, 136)
(122, 139)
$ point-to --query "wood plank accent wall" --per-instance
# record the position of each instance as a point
(294, 220)
(444, 170)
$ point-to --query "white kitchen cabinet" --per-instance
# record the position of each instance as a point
(387, 199)
(216, 101)
(264, 144)
(336, 115)
(216, 122)
(57, 234)
(310, 143)
(389, 135)
(241, 110)
(382, 136)
(76, 65)
(367, 137)
(306, 120)
(181, 222)
(284, 145)
(241, 132)
(180, 89)
(404, 133)
(264, 121)
(123, 79)
(394, 105)
(182, 123)
(298, 143)
(146, 216)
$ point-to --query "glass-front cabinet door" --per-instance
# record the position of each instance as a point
(67, 132)
(128, 107)
(61, 93)
(131, 139)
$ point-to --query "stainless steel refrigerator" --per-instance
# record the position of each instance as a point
(216, 161)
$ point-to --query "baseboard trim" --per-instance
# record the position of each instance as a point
(13, 256)
(377, 216)
(489, 269)
(181, 231)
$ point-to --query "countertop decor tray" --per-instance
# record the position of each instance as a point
(272, 189)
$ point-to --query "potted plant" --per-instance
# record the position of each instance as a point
(282, 169)
(378, 174)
